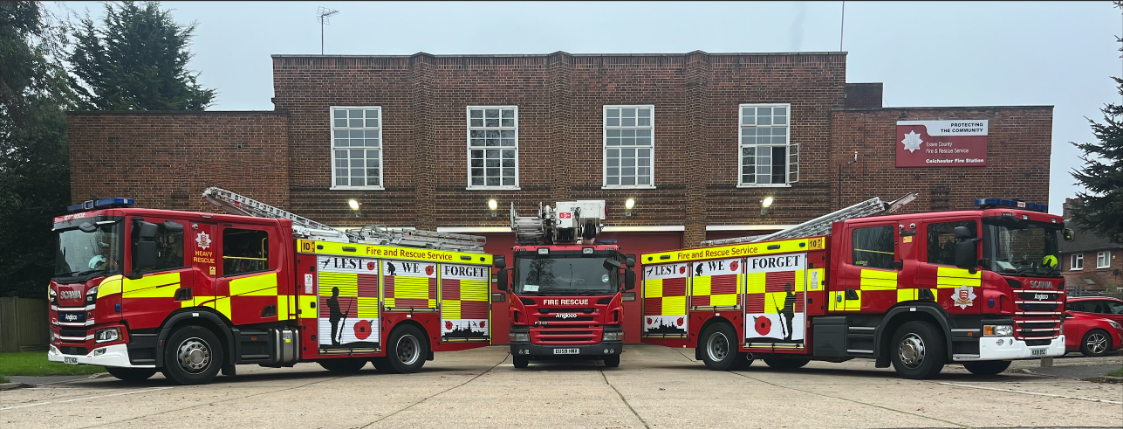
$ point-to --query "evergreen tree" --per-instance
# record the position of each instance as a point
(136, 60)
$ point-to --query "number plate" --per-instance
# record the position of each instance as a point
(1037, 352)
(70, 360)
(566, 351)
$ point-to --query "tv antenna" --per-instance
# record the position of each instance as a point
(324, 15)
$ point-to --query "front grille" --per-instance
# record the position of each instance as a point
(566, 319)
(1038, 342)
(561, 336)
(72, 317)
(76, 333)
(72, 350)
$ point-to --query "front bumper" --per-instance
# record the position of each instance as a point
(1011, 348)
(114, 355)
(605, 348)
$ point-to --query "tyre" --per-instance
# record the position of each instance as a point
(786, 363)
(193, 355)
(407, 350)
(719, 347)
(987, 368)
(131, 374)
(347, 365)
(520, 361)
(612, 361)
(1095, 343)
(743, 362)
(381, 364)
(917, 350)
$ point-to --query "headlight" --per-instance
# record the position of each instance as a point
(998, 330)
(519, 336)
(52, 296)
(110, 334)
(91, 295)
(1115, 325)
(613, 336)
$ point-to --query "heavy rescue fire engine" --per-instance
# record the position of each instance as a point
(191, 294)
(978, 287)
(565, 300)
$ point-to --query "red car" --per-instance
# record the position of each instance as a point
(1100, 306)
(1090, 334)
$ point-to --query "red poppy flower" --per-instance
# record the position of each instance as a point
(483, 323)
(733, 266)
(370, 266)
(762, 324)
(429, 270)
(682, 269)
(680, 321)
(448, 325)
(649, 321)
(362, 329)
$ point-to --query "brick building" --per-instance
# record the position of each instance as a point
(1090, 263)
(698, 140)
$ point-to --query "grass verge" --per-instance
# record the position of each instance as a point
(36, 364)
(1116, 373)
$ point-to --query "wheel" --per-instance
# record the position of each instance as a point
(407, 350)
(918, 350)
(381, 364)
(719, 347)
(131, 374)
(987, 368)
(612, 361)
(343, 365)
(786, 363)
(193, 355)
(1095, 343)
(520, 361)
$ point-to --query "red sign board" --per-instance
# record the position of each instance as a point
(960, 143)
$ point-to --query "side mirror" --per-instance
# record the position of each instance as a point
(631, 261)
(501, 280)
(147, 230)
(629, 279)
(500, 262)
(612, 264)
(172, 225)
(87, 227)
(1068, 234)
(965, 253)
(145, 256)
(962, 233)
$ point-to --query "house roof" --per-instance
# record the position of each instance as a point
(1086, 240)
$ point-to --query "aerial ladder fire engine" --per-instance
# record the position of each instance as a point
(916, 291)
(564, 285)
(201, 292)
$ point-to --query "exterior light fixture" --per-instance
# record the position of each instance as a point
(764, 205)
(493, 206)
(354, 204)
(628, 206)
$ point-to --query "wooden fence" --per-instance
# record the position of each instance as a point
(24, 325)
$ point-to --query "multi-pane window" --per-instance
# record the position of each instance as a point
(1077, 261)
(356, 147)
(493, 147)
(767, 156)
(628, 146)
(1103, 259)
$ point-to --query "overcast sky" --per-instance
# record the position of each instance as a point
(927, 54)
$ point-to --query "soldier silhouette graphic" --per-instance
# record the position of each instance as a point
(334, 315)
(390, 267)
(788, 311)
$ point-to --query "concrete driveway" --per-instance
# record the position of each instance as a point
(654, 387)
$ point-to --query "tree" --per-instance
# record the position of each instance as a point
(1099, 209)
(136, 61)
(34, 171)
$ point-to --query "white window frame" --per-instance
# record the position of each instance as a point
(1105, 257)
(468, 151)
(792, 149)
(605, 147)
(381, 149)
(1076, 262)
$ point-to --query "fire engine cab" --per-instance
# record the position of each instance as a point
(565, 295)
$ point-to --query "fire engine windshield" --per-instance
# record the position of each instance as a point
(85, 254)
(1022, 248)
(564, 276)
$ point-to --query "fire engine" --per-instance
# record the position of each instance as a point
(976, 287)
(565, 298)
(191, 294)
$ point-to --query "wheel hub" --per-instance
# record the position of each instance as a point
(718, 347)
(911, 350)
(194, 355)
(409, 350)
(1097, 343)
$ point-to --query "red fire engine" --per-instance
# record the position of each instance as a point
(978, 287)
(191, 294)
(565, 300)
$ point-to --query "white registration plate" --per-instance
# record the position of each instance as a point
(566, 351)
(70, 360)
(1037, 352)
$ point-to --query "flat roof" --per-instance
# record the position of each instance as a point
(562, 52)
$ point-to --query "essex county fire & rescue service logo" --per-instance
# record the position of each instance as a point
(964, 297)
(203, 240)
(912, 141)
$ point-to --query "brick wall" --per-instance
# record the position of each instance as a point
(166, 159)
(1018, 151)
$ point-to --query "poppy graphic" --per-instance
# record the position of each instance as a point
(482, 323)
(680, 321)
(429, 270)
(448, 325)
(733, 266)
(762, 324)
(370, 266)
(649, 321)
(362, 329)
(682, 269)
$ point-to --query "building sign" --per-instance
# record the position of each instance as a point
(960, 143)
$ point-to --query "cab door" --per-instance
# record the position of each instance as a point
(161, 286)
(249, 275)
(869, 270)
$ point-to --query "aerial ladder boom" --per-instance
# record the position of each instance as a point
(822, 224)
(235, 203)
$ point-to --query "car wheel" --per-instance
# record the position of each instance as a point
(917, 350)
(719, 347)
(193, 355)
(987, 368)
(1095, 343)
(131, 374)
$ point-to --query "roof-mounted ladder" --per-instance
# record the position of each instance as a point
(822, 224)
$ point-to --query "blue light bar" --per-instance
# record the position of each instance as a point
(1009, 203)
(103, 203)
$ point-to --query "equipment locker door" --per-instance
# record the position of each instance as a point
(665, 301)
(776, 301)
(465, 292)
